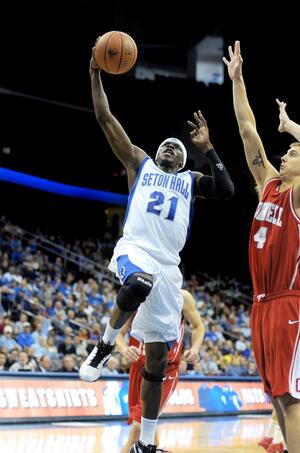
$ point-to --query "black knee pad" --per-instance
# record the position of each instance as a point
(152, 377)
(134, 291)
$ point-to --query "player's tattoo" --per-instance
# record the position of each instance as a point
(258, 160)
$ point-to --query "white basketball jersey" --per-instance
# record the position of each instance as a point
(159, 212)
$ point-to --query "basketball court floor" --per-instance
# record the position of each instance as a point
(238, 434)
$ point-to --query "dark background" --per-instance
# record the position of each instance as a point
(45, 50)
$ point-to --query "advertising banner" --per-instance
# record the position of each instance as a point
(67, 398)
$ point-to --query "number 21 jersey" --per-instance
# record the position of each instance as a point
(274, 247)
(159, 212)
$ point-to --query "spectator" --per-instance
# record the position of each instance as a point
(24, 338)
(80, 346)
(3, 361)
(240, 344)
(21, 364)
(252, 369)
(19, 324)
(235, 368)
(44, 364)
(52, 351)
(12, 357)
(68, 365)
(41, 348)
(38, 332)
(67, 347)
(7, 340)
(197, 370)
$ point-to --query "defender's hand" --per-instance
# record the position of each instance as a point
(234, 65)
(131, 353)
(192, 356)
(283, 116)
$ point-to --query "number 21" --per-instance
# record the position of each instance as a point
(158, 199)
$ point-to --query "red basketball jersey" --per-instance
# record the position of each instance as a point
(174, 354)
(274, 242)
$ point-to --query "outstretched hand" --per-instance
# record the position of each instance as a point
(200, 133)
(283, 116)
(234, 65)
(93, 64)
(132, 353)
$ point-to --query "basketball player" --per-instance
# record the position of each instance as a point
(146, 258)
(274, 260)
(135, 354)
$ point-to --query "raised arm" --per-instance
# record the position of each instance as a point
(191, 314)
(289, 126)
(130, 155)
(260, 167)
(285, 123)
(219, 184)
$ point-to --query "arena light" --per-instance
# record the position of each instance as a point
(67, 190)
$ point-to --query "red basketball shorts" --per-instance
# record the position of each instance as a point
(275, 327)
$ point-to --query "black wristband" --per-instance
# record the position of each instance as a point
(219, 184)
(212, 156)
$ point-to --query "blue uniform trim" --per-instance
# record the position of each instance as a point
(125, 268)
(134, 187)
(191, 206)
(170, 344)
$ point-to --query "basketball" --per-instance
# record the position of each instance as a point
(115, 52)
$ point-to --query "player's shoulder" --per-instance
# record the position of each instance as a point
(269, 186)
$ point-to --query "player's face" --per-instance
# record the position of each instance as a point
(170, 156)
(290, 163)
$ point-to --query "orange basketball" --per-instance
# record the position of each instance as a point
(115, 52)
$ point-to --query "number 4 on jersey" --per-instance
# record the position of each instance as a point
(260, 237)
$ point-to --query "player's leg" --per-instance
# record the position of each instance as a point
(158, 336)
(277, 443)
(269, 434)
(279, 418)
(135, 407)
(284, 365)
(134, 435)
(135, 403)
(151, 389)
(135, 289)
(291, 410)
(132, 293)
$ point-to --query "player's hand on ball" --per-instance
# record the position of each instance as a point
(191, 356)
(93, 64)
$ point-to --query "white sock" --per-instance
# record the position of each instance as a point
(110, 334)
(278, 437)
(271, 428)
(148, 428)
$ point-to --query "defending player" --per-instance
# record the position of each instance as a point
(274, 261)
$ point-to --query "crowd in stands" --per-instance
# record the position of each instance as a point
(53, 311)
